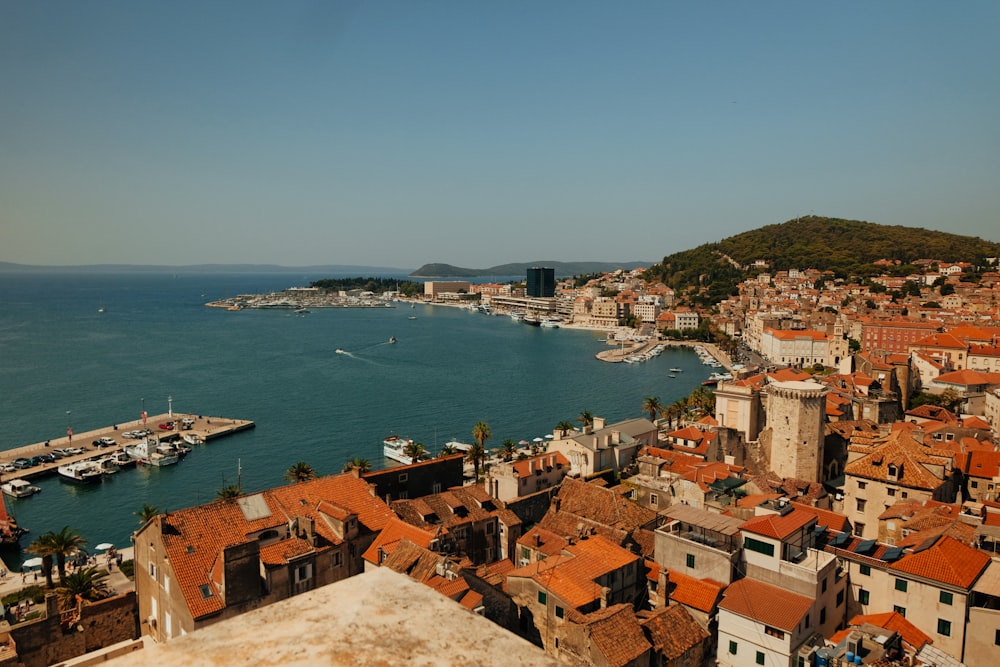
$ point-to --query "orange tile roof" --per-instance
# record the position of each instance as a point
(777, 526)
(616, 633)
(910, 457)
(766, 604)
(980, 463)
(394, 531)
(700, 594)
(194, 538)
(794, 334)
(897, 623)
(832, 520)
(673, 631)
(968, 377)
(948, 561)
(527, 467)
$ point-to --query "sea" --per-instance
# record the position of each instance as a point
(90, 349)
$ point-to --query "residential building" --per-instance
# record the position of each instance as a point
(207, 563)
(605, 448)
(699, 544)
(514, 479)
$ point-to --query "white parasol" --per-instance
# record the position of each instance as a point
(33, 562)
(104, 546)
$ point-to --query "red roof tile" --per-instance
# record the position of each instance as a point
(777, 526)
(948, 561)
(766, 604)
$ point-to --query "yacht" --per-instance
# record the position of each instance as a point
(393, 447)
(19, 488)
(146, 452)
(550, 323)
(81, 472)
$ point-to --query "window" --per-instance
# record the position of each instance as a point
(945, 597)
(865, 570)
(863, 596)
(206, 591)
(901, 585)
(560, 612)
(490, 528)
(974, 484)
(542, 597)
(732, 645)
(891, 492)
(760, 657)
(859, 529)
(436, 487)
(996, 638)
(861, 504)
(840, 597)
(403, 477)
(944, 627)
(824, 584)
(338, 558)
(822, 616)
(899, 610)
(690, 560)
(774, 632)
(862, 485)
(653, 499)
(758, 546)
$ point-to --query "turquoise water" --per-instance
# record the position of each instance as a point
(449, 369)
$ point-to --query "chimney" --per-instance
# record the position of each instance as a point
(538, 539)
(598, 423)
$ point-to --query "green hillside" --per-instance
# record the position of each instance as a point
(562, 269)
(711, 272)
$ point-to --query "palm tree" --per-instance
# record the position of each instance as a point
(415, 450)
(64, 543)
(87, 583)
(300, 472)
(230, 492)
(586, 418)
(507, 449)
(565, 427)
(43, 547)
(652, 406)
(475, 453)
(359, 464)
(703, 400)
(448, 450)
(481, 433)
(146, 513)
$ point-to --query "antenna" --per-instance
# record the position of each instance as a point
(239, 475)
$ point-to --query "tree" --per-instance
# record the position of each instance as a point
(43, 547)
(415, 450)
(65, 543)
(565, 427)
(359, 464)
(507, 449)
(448, 450)
(230, 492)
(481, 433)
(475, 453)
(300, 472)
(87, 583)
(146, 513)
(586, 418)
(652, 406)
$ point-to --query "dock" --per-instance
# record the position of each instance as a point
(207, 428)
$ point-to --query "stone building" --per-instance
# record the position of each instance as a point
(795, 431)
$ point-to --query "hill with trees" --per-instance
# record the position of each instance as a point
(562, 269)
(709, 273)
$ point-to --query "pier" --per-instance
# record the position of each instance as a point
(205, 427)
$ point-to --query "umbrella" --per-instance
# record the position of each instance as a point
(103, 546)
(524, 442)
(539, 440)
(549, 436)
(33, 562)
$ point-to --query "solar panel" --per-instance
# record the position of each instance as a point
(819, 530)
(864, 546)
(892, 553)
(840, 540)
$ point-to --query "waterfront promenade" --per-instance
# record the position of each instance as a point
(205, 427)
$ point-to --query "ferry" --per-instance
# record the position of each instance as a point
(19, 488)
(393, 447)
(80, 472)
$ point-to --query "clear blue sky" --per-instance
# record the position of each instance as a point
(478, 133)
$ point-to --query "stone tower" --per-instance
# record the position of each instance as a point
(795, 417)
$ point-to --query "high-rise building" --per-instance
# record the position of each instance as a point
(541, 282)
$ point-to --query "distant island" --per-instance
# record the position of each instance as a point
(562, 269)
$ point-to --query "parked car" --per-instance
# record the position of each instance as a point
(22, 463)
(105, 442)
(7, 467)
(167, 426)
(43, 458)
(73, 451)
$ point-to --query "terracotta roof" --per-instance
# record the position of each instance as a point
(194, 538)
(673, 631)
(897, 623)
(766, 604)
(968, 378)
(948, 561)
(900, 449)
(980, 463)
(616, 633)
(527, 467)
(777, 526)
(700, 594)
(940, 340)
(795, 334)
(602, 505)
(394, 531)
(832, 520)
(546, 541)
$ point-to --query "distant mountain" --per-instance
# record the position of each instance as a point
(562, 269)
(711, 272)
(323, 269)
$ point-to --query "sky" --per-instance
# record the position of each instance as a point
(395, 134)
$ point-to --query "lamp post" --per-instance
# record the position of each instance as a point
(69, 427)
(170, 406)
(142, 413)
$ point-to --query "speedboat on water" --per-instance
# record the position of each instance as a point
(393, 447)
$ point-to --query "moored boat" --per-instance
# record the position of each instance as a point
(145, 452)
(193, 439)
(10, 532)
(393, 447)
(19, 488)
(80, 472)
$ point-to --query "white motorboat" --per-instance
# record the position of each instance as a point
(19, 488)
(393, 447)
(550, 323)
(146, 452)
(193, 439)
(81, 472)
